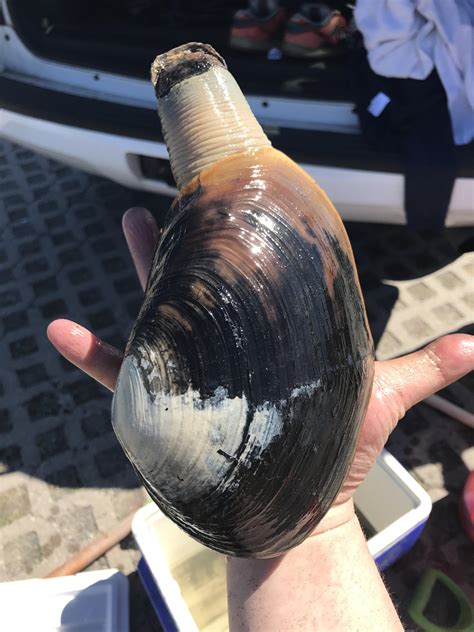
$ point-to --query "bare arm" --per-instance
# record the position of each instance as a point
(329, 582)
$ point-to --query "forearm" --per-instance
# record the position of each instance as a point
(329, 582)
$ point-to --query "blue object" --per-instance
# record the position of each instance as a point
(159, 606)
(395, 552)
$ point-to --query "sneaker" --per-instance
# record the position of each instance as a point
(251, 32)
(314, 32)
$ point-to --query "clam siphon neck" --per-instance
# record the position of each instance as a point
(205, 118)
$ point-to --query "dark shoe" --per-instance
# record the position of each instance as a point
(314, 32)
(251, 32)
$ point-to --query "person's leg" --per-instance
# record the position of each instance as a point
(428, 151)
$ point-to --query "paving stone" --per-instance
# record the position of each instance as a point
(421, 291)
(84, 213)
(54, 309)
(84, 390)
(101, 319)
(45, 404)
(96, 228)
(57, 221)
(28, 248)
(72, 255)
(36, 266)
(6, 276)
(81, 275)
(114, 264)
(127, 285)
(22, 554)
(66, 237)
(35, 179)
(468, 267)
(417, 327)
(388, 345)
(45, 286)
(22, 231)
(5, 421)
(133, 307)
(34, 374)
(103, 245)
(48, 206)
(15, 320)
(63, 481)
(110, 461)
(397, 270)
(447, 312)
(53, 542)
(13, 200)
(10, 458)
(91, 296)
(51, 442)
(17, 215)
(9, 298)
(117, 339)
(23, 347)
(96, 424)
(9, 185)
(29, 166)
(468, 299)
(14, 504)
(77, 525)
(67, 366)
(69, 185)
(450, 280)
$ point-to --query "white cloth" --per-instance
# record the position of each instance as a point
(408, 38)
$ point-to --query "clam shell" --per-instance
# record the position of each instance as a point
(247, 374)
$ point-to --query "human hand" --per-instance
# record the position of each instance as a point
(398, 384)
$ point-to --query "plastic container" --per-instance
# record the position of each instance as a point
(186, 582)
(96, 601)
(396, 508)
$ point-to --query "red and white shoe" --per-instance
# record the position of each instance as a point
(309, 37)
(251, 32)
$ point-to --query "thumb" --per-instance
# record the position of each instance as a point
(406, 381)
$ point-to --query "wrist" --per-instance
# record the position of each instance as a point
(337, 516)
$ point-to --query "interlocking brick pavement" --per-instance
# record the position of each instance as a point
(64, 477)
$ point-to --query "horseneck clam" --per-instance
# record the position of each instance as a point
(248, 371)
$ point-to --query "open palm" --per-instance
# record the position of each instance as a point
(398, 384)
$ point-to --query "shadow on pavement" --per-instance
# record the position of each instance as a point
(395, 253)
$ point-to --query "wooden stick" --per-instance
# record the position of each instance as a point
(95, 549)
(441, 404)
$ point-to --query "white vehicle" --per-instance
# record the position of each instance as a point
(74, 86)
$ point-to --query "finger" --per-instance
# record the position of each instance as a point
(414, 377)
(90, 354)
(141, 233)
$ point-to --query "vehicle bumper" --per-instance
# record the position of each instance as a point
(110, 140)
